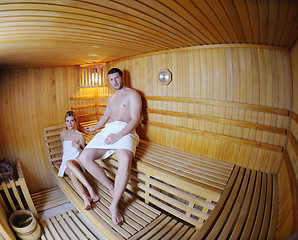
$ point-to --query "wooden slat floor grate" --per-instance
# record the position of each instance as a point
(48, 199)
(65, 225)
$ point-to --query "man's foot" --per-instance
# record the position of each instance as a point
(116, 215)
(87, 201)
(95, 198)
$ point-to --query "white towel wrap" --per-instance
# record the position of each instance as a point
(69, 153)
(129, 141)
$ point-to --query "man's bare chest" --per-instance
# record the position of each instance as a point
(119, 104)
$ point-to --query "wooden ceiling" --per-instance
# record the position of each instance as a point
(69, 32)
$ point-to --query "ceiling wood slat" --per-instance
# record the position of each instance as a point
(73, 32)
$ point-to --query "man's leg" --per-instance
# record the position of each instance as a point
(87, 158)
(124, 167)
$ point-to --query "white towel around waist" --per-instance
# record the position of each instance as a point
(129, 141)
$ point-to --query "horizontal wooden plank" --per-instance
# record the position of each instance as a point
(218, 136)
(220, 120)
(83, 107)
(277, 111)
(89, 97)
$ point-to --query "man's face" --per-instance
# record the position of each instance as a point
(116, 81)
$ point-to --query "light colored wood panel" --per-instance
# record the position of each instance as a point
(294, 67)
(36, 111)
(287, 220)
(282, 112)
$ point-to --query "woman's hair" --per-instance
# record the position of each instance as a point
(70, 114)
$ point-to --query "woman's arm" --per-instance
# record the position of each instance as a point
(80, 144)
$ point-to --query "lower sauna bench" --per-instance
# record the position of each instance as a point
(176, 195)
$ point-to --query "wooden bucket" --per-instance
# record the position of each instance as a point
(25, 225)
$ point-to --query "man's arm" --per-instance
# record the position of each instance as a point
(135, 115)
(102, 120)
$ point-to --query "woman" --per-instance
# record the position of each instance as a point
(73, 143)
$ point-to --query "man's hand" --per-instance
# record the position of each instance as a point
(90, 129)
(112, 138)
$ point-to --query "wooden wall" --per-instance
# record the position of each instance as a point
(288, 174)
(228, 102)
(31, 99)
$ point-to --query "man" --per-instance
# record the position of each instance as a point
(122, 116)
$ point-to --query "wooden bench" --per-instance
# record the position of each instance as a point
(247, 209)
(170, 194)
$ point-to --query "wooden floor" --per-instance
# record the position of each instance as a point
(48, 199)
(59, 219)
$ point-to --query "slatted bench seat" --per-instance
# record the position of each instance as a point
(207, 176)
(247, 209)
(163, 199)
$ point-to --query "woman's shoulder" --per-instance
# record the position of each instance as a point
(62, 134)
(79, 134)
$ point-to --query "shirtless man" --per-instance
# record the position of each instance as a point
(122, 115)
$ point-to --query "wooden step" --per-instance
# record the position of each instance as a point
(48, 199)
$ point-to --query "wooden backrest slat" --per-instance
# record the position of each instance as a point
(237, 206)
(215, 214)
(274, 210)
(245, 208)
(253, 208)
(260, 213)
(268, 208)
(53, 143)
(217, 227)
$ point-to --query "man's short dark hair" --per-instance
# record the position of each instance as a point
(115, 70)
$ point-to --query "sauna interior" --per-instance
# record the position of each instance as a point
(233, 94)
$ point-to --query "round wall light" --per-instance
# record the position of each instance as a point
(164, 76)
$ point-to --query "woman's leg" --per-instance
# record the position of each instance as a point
(81, 189)
(75, 170)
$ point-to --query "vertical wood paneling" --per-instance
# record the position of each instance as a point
(288, 217)
(31, 100)
(248, 75)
